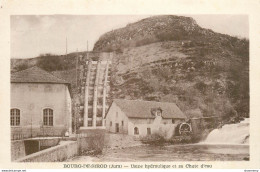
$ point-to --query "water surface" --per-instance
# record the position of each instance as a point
(193, 152)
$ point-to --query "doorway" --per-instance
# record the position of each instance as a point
(117, 127)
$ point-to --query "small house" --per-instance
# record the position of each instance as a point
(141, 118)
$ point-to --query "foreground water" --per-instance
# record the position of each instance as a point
(193, 152)
(229, 143)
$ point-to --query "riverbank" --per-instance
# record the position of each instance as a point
(120, 141)
(112, 142)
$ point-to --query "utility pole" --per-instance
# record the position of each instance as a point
(77, 69)
(87, 46)
(87, 51)
(31, 127)
(66, 47)
(76, 104)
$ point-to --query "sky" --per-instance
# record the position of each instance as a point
(32, 35)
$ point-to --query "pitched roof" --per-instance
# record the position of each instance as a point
(35, 75)
(142, 109)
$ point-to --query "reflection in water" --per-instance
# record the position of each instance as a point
(193, 152)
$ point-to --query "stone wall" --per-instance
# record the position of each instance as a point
(61, 152)
(17, 149)
(91, 140)
(87, 141)
(21, 148)
(44, 143)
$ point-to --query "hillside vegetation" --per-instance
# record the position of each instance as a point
(48, 62)
(170, 58)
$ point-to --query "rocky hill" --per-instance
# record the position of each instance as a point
(167, 28)
(171, 58)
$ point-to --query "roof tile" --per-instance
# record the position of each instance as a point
(142, 109)
(35, 75)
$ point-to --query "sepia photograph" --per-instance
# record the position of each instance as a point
(129, 88)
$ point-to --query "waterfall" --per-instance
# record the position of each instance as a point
(230, 134)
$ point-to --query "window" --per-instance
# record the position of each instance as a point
(48, 117)
(110, 123)
(15, 117)
(136, 131)
(122, 123)
(117, 127)
(173, 121)
(149, 131)
(156, 111)
(99, 123)
(116, 114)
(159, 113)
(89, 123)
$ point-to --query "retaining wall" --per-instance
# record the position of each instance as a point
(61, 152)
(88, 141)
(17, 149)
(93, 141)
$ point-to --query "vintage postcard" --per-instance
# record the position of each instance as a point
(166, 89)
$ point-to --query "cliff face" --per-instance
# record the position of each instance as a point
(171, 58)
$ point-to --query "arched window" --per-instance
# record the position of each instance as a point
(48, 117)
(136, 131)
(15, 117)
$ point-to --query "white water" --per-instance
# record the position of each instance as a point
(230, 134)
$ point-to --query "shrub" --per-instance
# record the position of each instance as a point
(201, 86)
(194, 113)
(21, 67)
(51, 62)
(144, 41)
(163, 72)
(154, 139)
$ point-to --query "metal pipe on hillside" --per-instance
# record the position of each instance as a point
(104, 94)
(94, 118)
(86, 95)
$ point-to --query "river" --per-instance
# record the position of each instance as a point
(229, 143)
(192, 152)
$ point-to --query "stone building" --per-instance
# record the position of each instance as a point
(141, 118)
(40, 104)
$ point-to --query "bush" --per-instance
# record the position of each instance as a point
(50, 62)
(163, 72)
(21, 67)
(153, 139)
(194, 113)
(181, 140)
(201, 86)
(144, 41)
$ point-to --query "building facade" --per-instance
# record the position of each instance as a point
(40, 104)
(142, 118)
